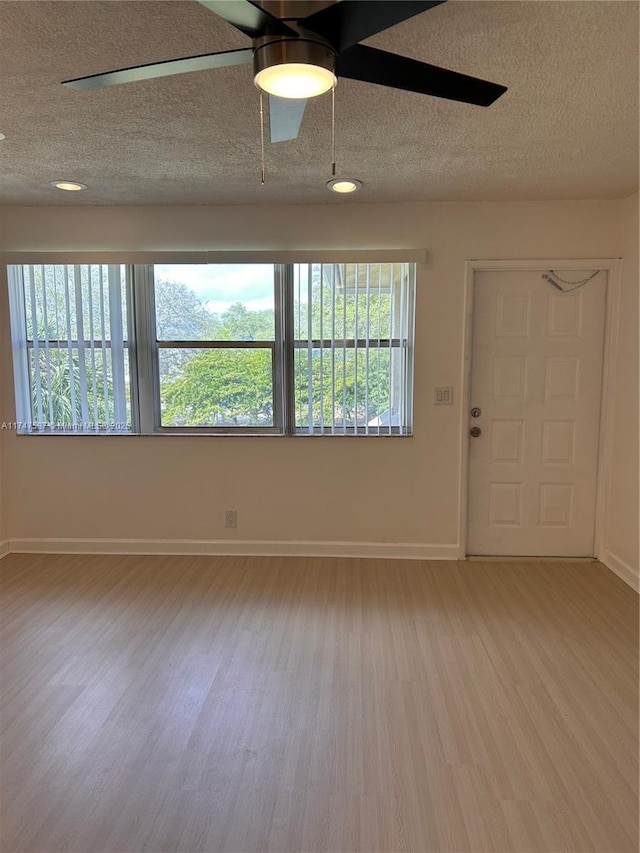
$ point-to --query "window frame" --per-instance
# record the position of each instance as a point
(27, 422)
(143, 347)
(362, 344)
(145, 315)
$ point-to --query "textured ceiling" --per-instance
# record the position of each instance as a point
(567, 127)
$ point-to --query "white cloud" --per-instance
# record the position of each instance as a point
(220, 285)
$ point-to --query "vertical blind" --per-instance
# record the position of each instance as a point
(353, 330)
(75, 353)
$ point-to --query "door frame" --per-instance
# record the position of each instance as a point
(612, 267)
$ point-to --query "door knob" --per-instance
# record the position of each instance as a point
(474, 432)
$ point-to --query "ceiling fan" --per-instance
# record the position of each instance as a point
(299, 58)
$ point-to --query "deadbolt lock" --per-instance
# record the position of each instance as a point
(474, 432)
(476, 412)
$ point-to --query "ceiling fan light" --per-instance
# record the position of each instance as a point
(294, 68)
(295, 80)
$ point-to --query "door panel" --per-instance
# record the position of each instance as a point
(536, 377)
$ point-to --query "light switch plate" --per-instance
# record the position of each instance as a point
(443, 396)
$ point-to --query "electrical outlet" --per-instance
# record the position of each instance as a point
(443, 396)
(231, 518)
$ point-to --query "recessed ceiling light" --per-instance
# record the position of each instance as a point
(71, 186)
(344, 185)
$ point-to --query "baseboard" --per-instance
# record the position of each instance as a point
(621, 568)
(229, 547)
(4, 549)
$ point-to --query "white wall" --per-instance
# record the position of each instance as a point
(621, 529)
(313, 489)
(6, 405)
(3, 408)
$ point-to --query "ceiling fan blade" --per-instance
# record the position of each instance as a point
(285, 117)
(249, 18)
(400, 72)
(346, 23)
(162, 69)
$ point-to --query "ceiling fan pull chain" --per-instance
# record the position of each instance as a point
(333, 132)
(263, 170)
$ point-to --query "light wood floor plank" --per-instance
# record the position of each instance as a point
(237, 705)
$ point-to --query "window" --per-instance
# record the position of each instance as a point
(352, 347)
(70, 345)
(310, 349)
(215, 354)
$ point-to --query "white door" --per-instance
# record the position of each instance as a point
(536, 378)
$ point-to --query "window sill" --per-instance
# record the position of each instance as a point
(165, 434)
